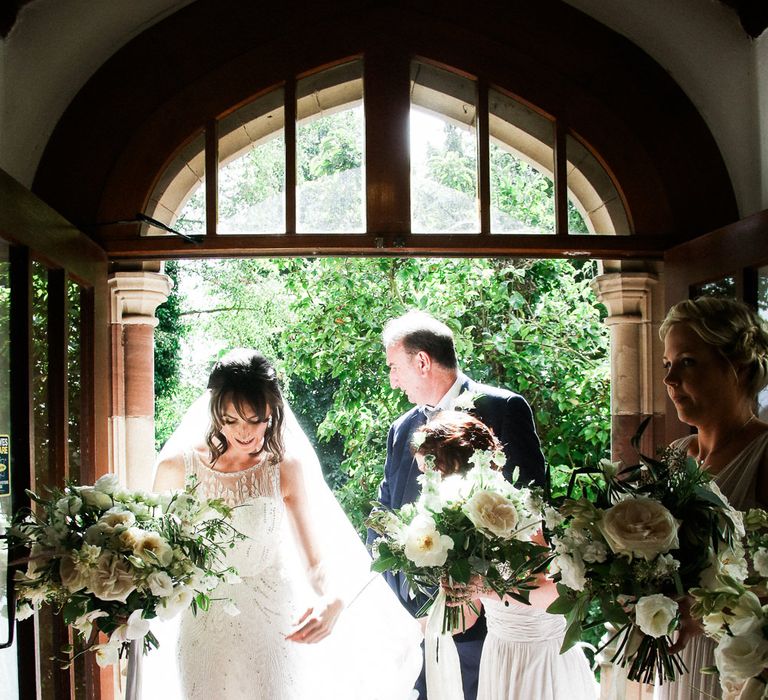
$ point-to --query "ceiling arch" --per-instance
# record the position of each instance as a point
(153, 96)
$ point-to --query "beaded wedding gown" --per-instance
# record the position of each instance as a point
(521, 657)
(247, 655)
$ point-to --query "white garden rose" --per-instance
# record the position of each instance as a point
(109, 483)
(654, 614)
(572, 570)
(740, 658)
(74, 577)
(97, 499)
(160, 584)
(760, 561)
(424, 545)
(491, 511)
(111, 579)
(69, 505)
(639, 527)
(154, 549)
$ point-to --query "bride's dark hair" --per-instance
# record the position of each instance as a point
(248, 379)
(451, 437)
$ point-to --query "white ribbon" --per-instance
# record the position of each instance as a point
(441, 657)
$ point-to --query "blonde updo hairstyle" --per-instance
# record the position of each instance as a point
(452, 437)
(733, 329)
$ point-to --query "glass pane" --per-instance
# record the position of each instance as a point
(8, 657)
(178, 199)
(252, 167)
(522, 166)
(725, 287)
(330, 148)
(74, 373)
(443, 152)
(762, 309)
(594, 204)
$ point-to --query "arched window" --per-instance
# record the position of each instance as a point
(292, 161)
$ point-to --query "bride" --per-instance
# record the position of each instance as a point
(312, 620)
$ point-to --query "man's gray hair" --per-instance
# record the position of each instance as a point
(419, 331)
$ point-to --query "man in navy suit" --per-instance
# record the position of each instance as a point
(422, 362)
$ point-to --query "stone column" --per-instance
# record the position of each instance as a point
(635, 360)
(134, 297)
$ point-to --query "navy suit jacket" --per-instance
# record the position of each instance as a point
(506, 413)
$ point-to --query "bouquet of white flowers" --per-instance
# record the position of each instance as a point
(630, 547)
(730, 605)
(109, 560)
(463, 525)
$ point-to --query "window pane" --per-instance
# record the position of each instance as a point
(725, 287)
(178, 199)
(74, 374)
(443, 152)
(8, 657)
(252, 167)
(594, 204)
(762, 309)
(522, 166)
(330, 147)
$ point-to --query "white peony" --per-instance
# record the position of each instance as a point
(740, 658)
(491, 511)
(654, 614)
(160, 584)
(639, 527)
(424, 545)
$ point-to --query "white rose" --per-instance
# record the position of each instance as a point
(177, 602)
(109, 483)
(97, 499)
(654, 614)
(111, 579)
(73, 577)
(641, 527)
(424, 545)
(571, 569)
(69, 505)
(160, 584)
(740, 658)
(491, 511)
(154, 549)
(760, 561)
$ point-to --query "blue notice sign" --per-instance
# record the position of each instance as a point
(5, 465)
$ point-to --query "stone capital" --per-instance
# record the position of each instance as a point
(134, 296)
(626, 295)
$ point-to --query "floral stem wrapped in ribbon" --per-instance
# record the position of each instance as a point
(463, 525)
(109, 560)
(629, 547)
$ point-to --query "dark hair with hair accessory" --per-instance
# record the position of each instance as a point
(249, 380)
(452, 437)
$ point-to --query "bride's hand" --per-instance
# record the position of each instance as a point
(317, 622)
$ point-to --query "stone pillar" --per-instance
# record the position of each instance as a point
(635, 360)
(134, 298)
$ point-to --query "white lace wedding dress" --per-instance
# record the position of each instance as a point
(372, 653)
(521, 657)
